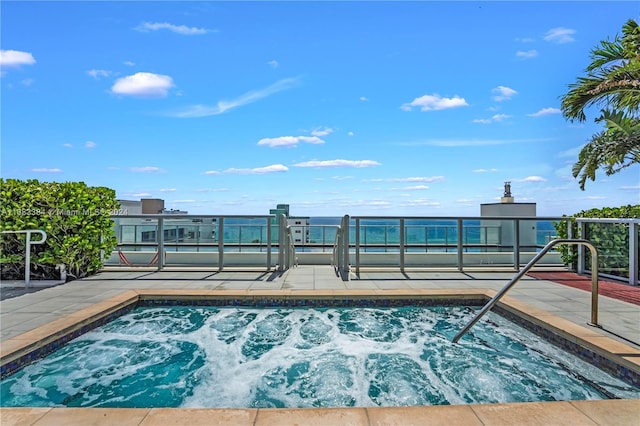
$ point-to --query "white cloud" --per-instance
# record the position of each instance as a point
(434, 102)
(27, 81)
(338, 163)
(273, 64)
(484, 170)
(321, 132)
(138, 194)
(364, 98)
(274, 168)
(494, 118)
(67, 145)
(247, 98)
(500, 117)
(428, 179)
(415, 188)
(90, 144)
(350, 133)
(15, 58)
(289, 141)
(545, 111)
(560, 35)
(146, 169)
(503, 93)
(528, 54)
(99, 73)
(46, 170)
(421, 202)
(129, 63)
(168, 190)
(531, 179)
(143, 84)
(146, 27)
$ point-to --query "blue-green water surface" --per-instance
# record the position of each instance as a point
(294, 357)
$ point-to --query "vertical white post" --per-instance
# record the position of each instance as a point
(28, 243)
(27, 261)
(220, 243)
(357, 236)
(460, 255)
(269, 223)
(345, 241)
(282, 242)
(516, 244)
(402, 243)
(581, 256)
(160, 227)
(634, 228)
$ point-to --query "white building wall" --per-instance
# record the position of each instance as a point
(527, 229)
(299, 229)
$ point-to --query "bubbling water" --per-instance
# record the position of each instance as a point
(293, 357)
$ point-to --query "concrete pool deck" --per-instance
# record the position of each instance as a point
(620, 323)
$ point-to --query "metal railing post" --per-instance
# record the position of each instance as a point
(27, 254)
(220, 244)
(282, 242)
(269, 222)
(460, 247)
(402, 244)
(581, 259)
(357, 247)
(345, 246)
(634, 252)
(160, 227)
(516, 244)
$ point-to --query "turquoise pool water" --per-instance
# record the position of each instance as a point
(296, 357)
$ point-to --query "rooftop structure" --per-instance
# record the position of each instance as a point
(146, 206)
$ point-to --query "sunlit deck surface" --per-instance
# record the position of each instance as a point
(26, 319)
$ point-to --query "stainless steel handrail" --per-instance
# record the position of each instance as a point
(335, 250)
(291, 250)
(340, 255)
(528, 266)
(29, 243)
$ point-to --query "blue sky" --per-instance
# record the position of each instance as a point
(360, 108)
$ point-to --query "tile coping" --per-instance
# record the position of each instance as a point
(599, 349)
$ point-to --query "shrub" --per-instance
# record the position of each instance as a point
(75, 217)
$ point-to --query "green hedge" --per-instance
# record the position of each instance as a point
(611, 240)
(75, 217)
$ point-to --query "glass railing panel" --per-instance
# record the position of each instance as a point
(612, 243)
(314, 238)
(545, 232)
(135, 230)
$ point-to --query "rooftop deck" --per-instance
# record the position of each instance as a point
(619, 320)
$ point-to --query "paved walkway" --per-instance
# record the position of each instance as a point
(619, 320)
